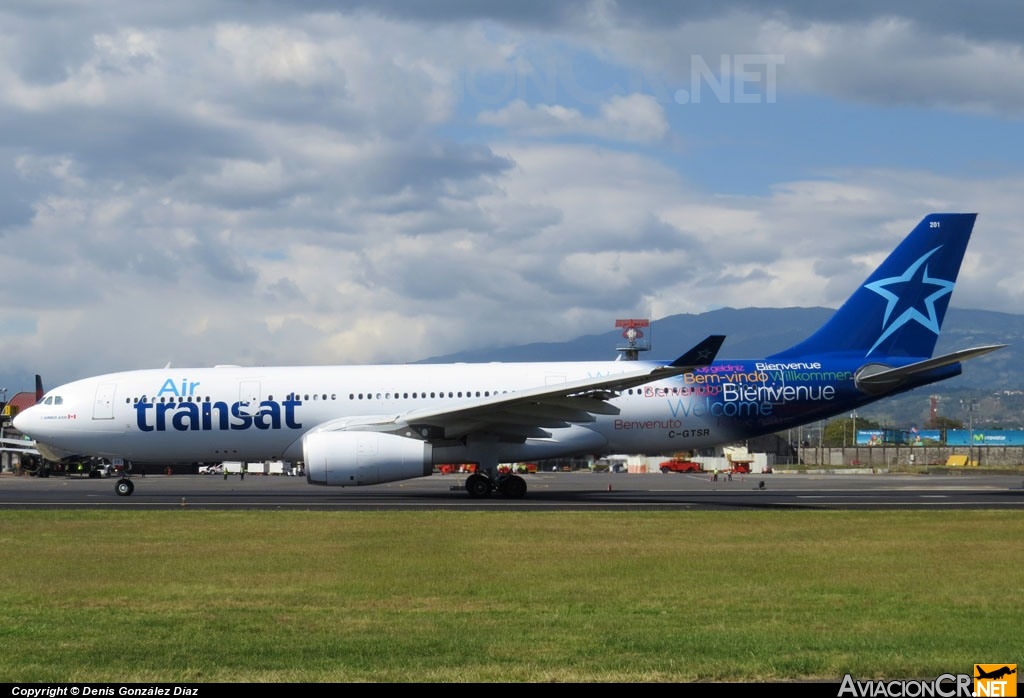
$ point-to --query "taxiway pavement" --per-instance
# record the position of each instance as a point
(547, 491)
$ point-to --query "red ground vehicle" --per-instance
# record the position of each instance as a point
(679, 464)
(738, 465)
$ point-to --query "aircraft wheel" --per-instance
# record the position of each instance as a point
(124, 487)
(513, 487)
(478, 486)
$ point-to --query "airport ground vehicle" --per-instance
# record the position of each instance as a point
(680, 464)
(739, 465)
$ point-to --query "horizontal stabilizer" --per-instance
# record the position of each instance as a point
(879, 378)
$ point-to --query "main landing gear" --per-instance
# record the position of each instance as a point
(479, 485)
(124, 487)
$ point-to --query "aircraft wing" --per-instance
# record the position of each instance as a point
(529, 413)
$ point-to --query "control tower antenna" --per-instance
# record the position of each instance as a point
(635, 341)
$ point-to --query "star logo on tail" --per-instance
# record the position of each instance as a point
(901, 306)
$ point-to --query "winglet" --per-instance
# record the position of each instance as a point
(702, 354)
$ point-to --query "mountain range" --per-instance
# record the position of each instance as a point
(992, 384)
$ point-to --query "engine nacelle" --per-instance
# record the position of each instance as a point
(349, 458)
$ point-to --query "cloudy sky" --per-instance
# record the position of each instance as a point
(206, 182)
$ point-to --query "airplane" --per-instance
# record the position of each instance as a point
(994, 674)
(367, 425)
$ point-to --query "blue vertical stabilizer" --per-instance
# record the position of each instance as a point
(898, 310)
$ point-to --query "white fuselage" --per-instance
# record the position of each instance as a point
(234, 413)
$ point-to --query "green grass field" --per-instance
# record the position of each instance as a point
(191, 596)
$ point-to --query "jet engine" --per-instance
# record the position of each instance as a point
(349, 458)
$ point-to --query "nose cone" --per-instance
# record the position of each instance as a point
(28, 423)
(21, 421)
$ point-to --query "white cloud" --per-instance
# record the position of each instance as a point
(890, 60)
(286, 187)
(634, 118)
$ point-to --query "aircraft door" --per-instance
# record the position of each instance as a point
(249, 397)
(103, 407)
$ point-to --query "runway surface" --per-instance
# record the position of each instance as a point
(581, 491)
